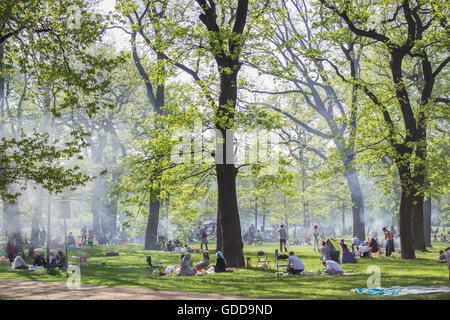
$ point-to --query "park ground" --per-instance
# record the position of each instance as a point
(111, 277)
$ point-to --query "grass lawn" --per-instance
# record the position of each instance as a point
(129, 269)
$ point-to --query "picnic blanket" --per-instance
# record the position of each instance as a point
(402, 291)
(324, 274)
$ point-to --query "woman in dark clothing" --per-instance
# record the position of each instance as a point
(61, 260)
(40, 261)
(221, 263)
(10, 247)
(373, 245)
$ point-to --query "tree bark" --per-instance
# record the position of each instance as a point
(218, 232)
(256, 213)
(418, 226)
(427, 222)
(232, 245)
(357, 203)
(405, 213)
(36, 221)
(151, 233)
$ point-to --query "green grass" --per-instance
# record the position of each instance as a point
(129, 269)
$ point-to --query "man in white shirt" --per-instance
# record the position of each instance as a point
(332, 267)
(295, 265)
(19, 263)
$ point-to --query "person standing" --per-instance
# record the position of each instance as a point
(84, 235)
(282, 232)
(389, 242)
(42, 236)
(316, 238)
(10, 247)
(204, 239)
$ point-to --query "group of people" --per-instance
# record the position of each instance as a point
(373, 245)
(296, 266)
(177, 246)
(186, 265)
(59, 260)
(103, 238)
(253, 236)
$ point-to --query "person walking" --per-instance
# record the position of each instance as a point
(282, 233)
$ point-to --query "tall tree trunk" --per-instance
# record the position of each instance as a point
(151, 233)
(11, 218)
(405, 212)
(418, 223)
(256, 213)
(427, 221)
(232, 245)
(98, 205)
(36, 221)
(395, 216)
(359, 228)
(218, 232)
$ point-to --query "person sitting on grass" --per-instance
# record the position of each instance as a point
(357, 252)
(40, 261)
(52, 260)
(204, 263)
(61, 260)
(170, 246)
(373, 245)
(332, 267)
(185, 266)
(259, 237)
(295, 265)
(365, 250)
(179, 264)
(447, 252)
(221, 263)
(442, 257)
(19, 263)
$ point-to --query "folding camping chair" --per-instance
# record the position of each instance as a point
(262, 263)
(152, 266)
(281, 260)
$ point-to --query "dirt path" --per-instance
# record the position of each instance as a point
(39, 290)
